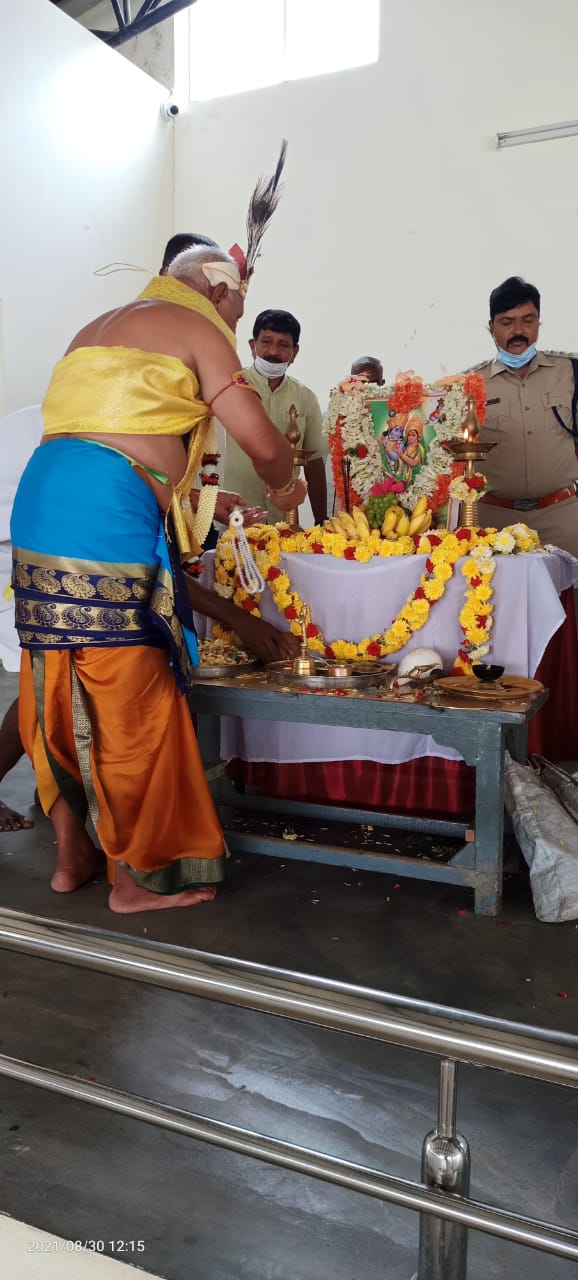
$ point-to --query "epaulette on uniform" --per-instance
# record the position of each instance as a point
(475, 368)
(567, 355)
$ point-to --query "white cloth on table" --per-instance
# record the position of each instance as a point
(20, 433)
(350, 601)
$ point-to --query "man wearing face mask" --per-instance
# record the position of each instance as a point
(274, 346)
(532, 420)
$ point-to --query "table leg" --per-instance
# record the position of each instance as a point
(489, 844)
(517, 742)
(208, 731)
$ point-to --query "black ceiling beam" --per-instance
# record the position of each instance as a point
(145, 8)
(149, 15)
(117, 13)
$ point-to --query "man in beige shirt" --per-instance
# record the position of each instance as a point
(274, 347)
(532, 420)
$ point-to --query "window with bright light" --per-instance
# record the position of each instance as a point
(236, 45)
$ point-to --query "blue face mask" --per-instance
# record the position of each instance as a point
(517, 362)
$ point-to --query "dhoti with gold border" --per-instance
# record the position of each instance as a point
(106, 658)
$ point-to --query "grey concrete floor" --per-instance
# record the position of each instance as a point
(210, 1215)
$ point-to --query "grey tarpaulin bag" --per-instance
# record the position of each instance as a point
(548, 837)
(560, 782)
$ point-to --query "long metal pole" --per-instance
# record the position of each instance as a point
(145, 8)
(412, 1024)
(117, 13)
(151, 18)
(342, 1173)
(445, 1166)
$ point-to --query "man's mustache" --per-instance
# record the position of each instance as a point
(518, 337)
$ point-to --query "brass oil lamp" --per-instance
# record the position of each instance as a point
(468, 449)
(300, 457)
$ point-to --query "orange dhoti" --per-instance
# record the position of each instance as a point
(109, 724)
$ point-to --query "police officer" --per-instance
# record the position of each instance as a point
(532, 419)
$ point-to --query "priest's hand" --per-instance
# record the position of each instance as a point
(288, 501)
(265, 641)
(226, 503)
(254, 515)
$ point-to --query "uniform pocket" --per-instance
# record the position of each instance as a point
(497, 418)
(557, 409)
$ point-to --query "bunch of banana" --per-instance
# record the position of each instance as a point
(398, 524)
(352, 525)
(421, 518)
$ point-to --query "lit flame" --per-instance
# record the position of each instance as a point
(471, 429)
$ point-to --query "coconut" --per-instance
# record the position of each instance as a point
(419, 664)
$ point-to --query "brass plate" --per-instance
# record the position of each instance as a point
(281, 673)
(506, 689)
(225, 670)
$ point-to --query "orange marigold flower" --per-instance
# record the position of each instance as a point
(475, 386)
(408, 394)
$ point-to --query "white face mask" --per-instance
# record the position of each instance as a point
(268, 369)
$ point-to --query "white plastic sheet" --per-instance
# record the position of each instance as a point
(548, 838)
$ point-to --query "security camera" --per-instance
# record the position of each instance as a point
(169, 110)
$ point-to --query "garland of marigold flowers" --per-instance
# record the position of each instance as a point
(349, 427)
(442, 549)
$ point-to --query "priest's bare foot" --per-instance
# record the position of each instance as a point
(10, 820)
(77, 859)
(74, 866)
(127, 897)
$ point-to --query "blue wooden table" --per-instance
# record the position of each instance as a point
(479, 732)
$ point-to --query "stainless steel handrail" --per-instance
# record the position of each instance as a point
(361, 1011)
(413, 1024)
(286, 1155)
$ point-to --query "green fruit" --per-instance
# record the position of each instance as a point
(376, 507)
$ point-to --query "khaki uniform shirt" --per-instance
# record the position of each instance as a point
(534, 455)
(240, 475)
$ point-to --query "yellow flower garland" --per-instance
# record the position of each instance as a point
(442, 548)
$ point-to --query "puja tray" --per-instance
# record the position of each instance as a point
(225, 670)
(361, 677)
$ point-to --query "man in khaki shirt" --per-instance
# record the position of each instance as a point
(274, 347)
(532, 420)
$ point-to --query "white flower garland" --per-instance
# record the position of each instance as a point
(348, 402)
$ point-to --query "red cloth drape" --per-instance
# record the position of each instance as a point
(430, 786)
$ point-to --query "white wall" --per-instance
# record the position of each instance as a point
(86, 178)
(399, 214)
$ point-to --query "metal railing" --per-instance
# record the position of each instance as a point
(441, 1199)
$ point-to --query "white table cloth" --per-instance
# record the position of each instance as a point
(350, 601)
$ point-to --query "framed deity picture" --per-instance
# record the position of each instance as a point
(394, 435)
